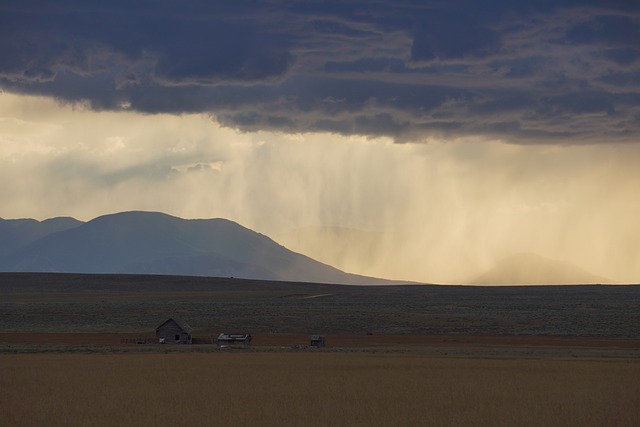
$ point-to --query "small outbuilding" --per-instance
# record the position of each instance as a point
(318, 341)
(237, 339)
(174, 331)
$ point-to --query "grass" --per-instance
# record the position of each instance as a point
(314, 389)
(126, 303)
(475, 385)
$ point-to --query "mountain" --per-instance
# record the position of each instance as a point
(18, 233)
(156, 243)
(531, 269)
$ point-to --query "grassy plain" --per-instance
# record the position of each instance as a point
(397, 356)
(136, 304)
(314, 389)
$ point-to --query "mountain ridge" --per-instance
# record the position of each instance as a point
(158, 243)
(22, 231)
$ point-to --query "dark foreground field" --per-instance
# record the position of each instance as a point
(399, 355)
(137, 304)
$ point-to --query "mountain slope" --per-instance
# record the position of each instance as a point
(18, 233)
(531, 269)
(156, 243)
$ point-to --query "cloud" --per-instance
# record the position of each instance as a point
(452, 35)
(523, 72)
(439, 212)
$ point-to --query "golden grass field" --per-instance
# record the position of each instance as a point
(395, 356)
(314, 389)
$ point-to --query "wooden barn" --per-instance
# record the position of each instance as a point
(318, 341)
(225, 339)
(174, 331)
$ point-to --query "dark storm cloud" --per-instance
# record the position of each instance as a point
(452, 35)
(562, 71)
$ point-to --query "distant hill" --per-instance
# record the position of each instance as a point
(17, 233)
(156, 243)
(531, 269)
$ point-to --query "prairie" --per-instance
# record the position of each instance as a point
(137, 304)
(396, 355)
(315, 389)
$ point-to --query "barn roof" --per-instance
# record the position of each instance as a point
(178, 321)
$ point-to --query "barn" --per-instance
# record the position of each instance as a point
(174, 331)
(237, 339)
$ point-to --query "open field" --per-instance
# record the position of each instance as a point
(315, 389)
(137, 304)
(399, 355)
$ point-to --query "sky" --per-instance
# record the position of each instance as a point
(417, 140)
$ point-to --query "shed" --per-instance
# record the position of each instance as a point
(174, 331)
(318, 341)
(241, 339)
